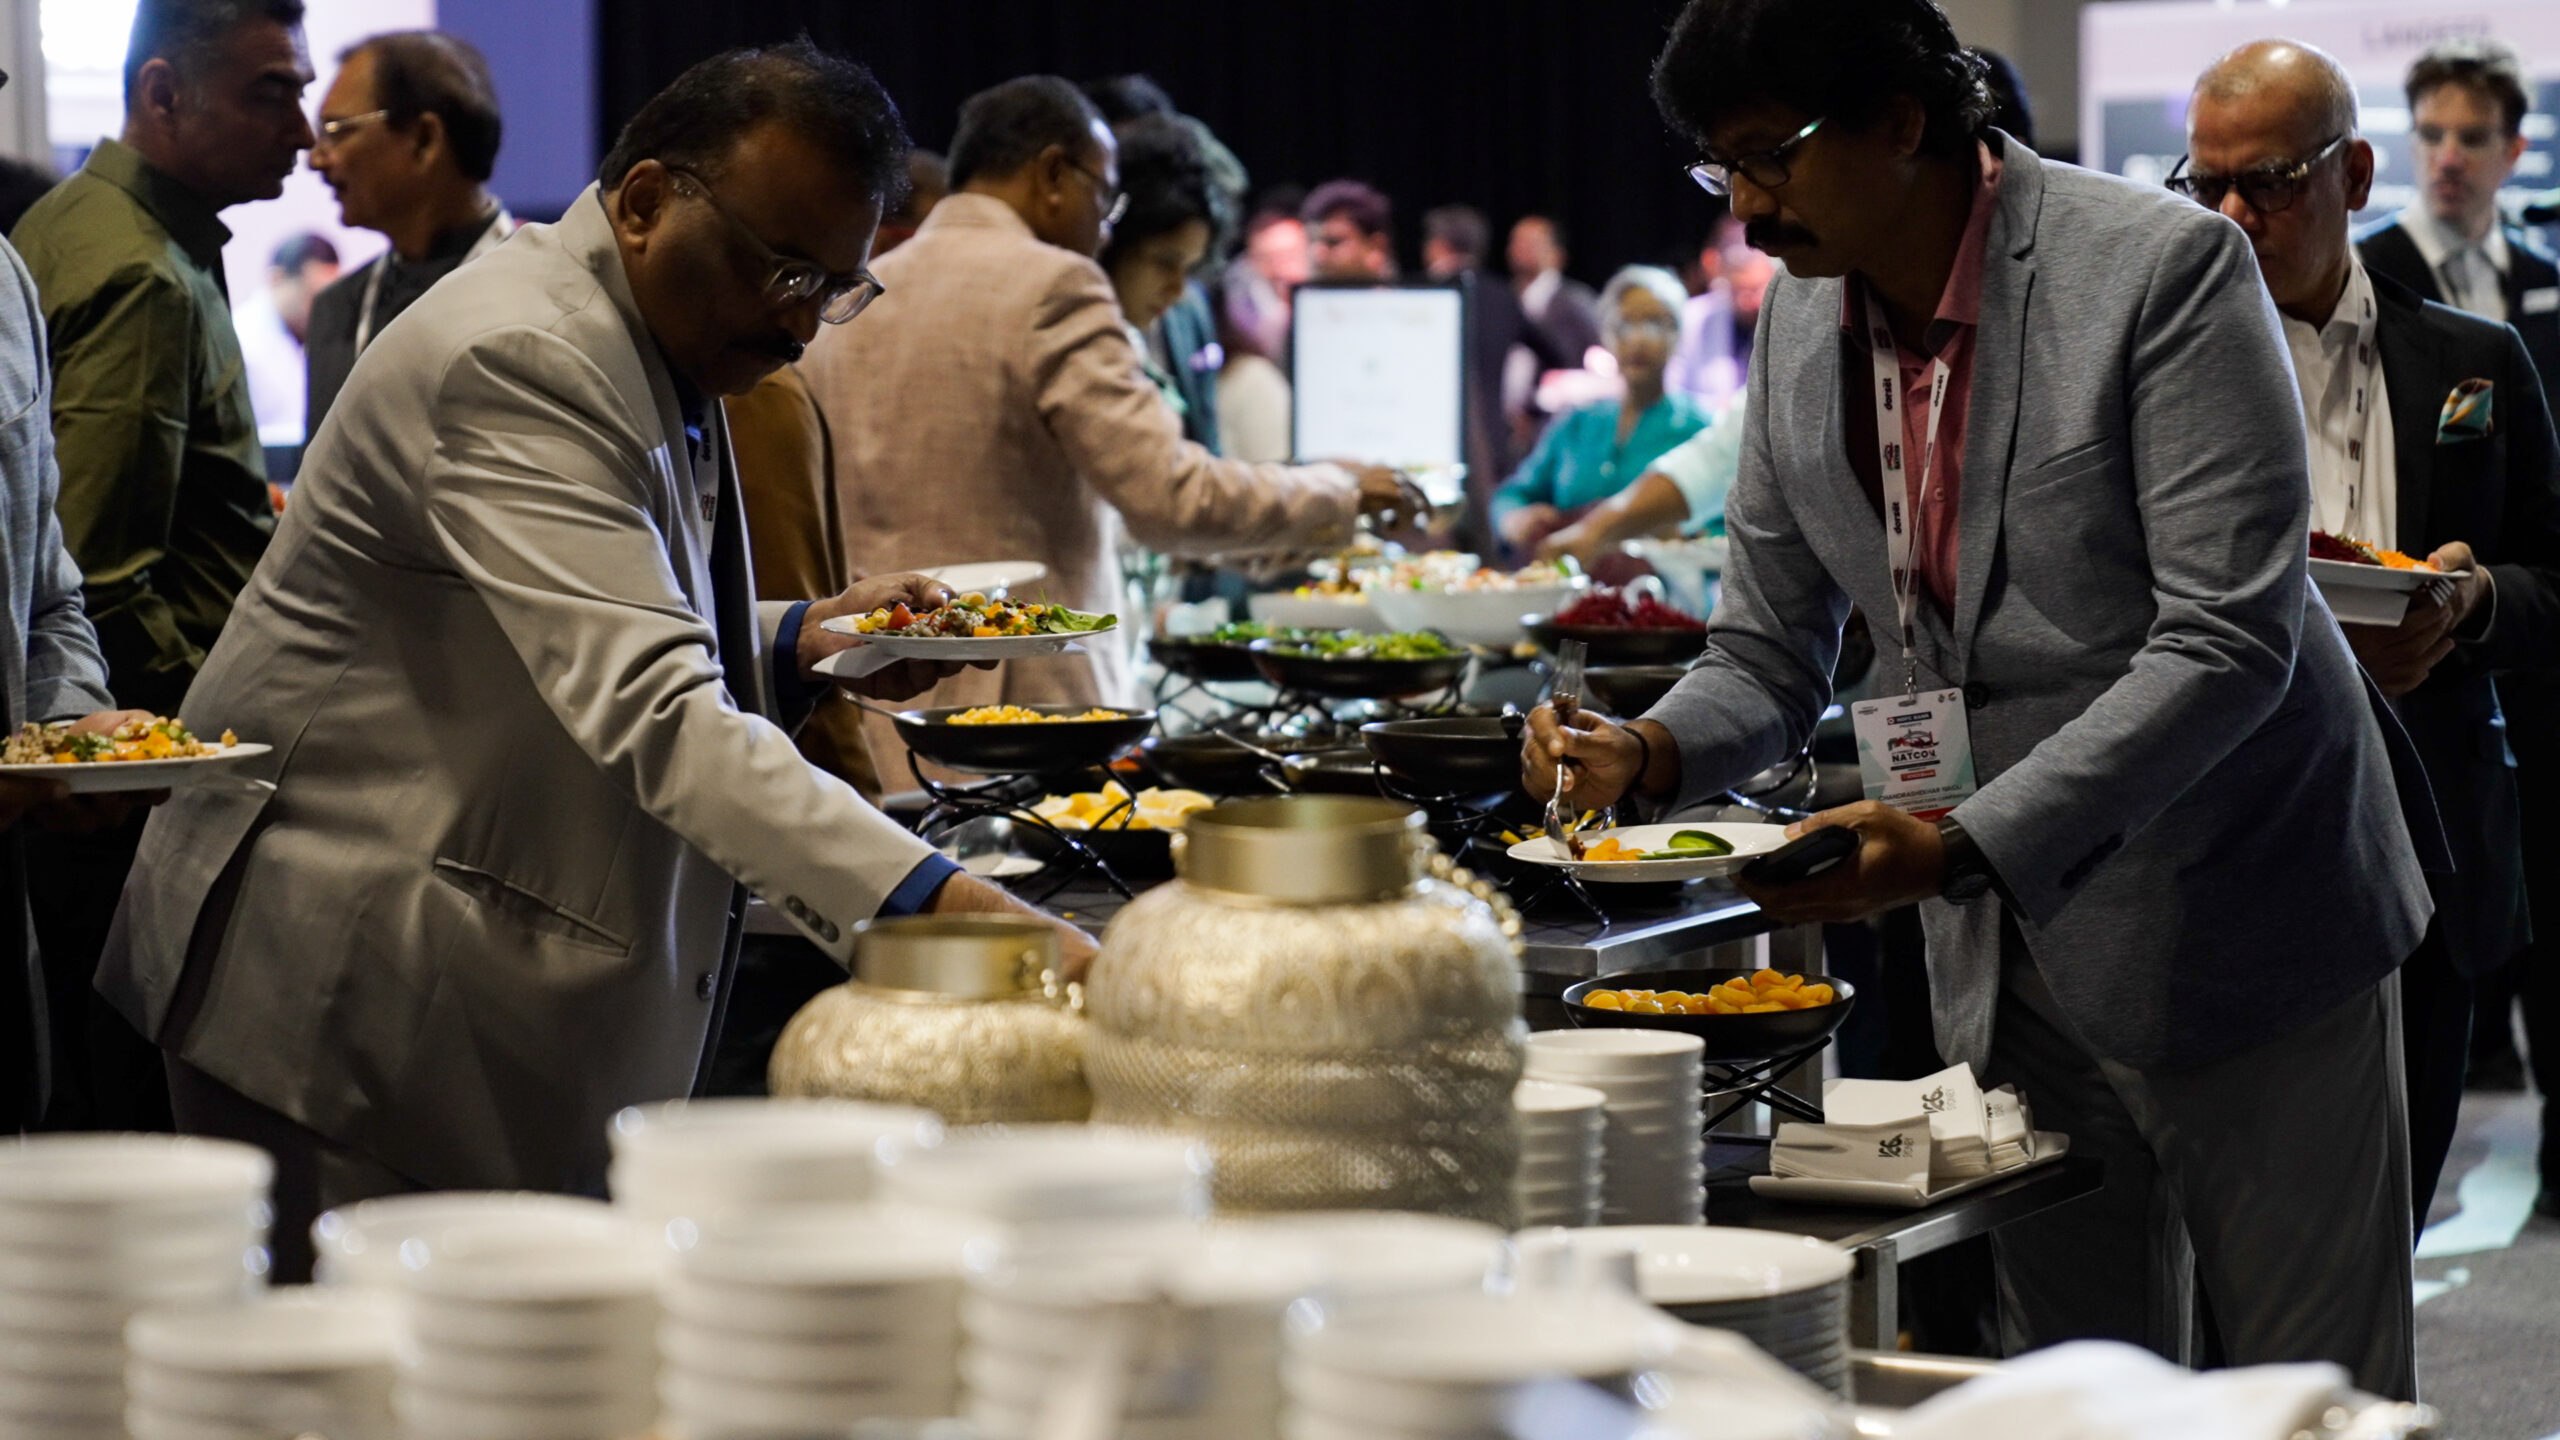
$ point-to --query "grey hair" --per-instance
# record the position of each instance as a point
(2315, 77)
(1666, 287)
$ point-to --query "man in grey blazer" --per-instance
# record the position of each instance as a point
(522, 697)
(2171, 910)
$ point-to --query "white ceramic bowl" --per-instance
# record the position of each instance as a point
(834, 1249)
(95, 1353)
(1314, 612)
(1373, 1252)
(512, 1262)
(1568, 1046)
(907, 1357)
(295, 1329)
(699, 1159)
(735, 1404)
(113, 1172)
(1043, 1174)
(102, 1315)
(85, 1397)
(321, 1402)
(1473, 617)
(847, 1314)
(1544, 1098)
(88, 1227)
(564, 1329)
(531, 1375)
(424, 1413)
(151, 1422)
(1457, 1340)
(1690, 1265)
(360, 1244)
(1344, 1398)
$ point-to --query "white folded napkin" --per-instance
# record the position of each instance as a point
(1951, 1100)
(2012, 1127)
(2103, 1390)
(1896, 1152)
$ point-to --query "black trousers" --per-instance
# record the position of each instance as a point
(2435, 1047)
(105, 1076)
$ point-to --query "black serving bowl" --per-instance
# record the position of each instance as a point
(1134, 854)
(1338, 770)
(1630, 690)
(1196, 658)
(1728, 1037)
(1207, 763)
(1452, 756)
(1618, 644)
(1030, 748)
(1356, 679)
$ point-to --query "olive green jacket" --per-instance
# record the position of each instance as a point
(164, 489)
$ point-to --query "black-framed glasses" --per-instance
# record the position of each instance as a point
(1114, 199)
(2268, 188)
(795, 282)
(1767, 169)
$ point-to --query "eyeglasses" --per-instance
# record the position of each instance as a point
(2269, 188)
(796, 282)
(1767, 169)
(333, 132)
(1115, 199)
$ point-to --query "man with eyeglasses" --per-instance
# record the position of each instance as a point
(528, 716)
(164, 485)
(407, 139)
(992, 406)
(2034, 423)
(2428, 434)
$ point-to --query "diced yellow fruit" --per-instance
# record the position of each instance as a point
(1604, 1000)
(1764, 1007)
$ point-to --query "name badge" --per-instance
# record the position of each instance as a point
(2542, 301)
(1914, 752)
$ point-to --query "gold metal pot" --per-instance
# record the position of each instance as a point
(963, 1015)
(1327, 1002)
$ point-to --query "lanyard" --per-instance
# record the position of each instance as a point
(1901, 506)
(499, 229)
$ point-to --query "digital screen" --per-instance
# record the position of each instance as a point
(1380, 374)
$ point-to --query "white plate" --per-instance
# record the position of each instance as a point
(1747, 840)
(1549, 1097)
(1884, 1195)
(2372, 594)
(989, 577)
(1706, 1264)
(293, 1329)
(359, 1244)
(949, 647)
(109, 777)
(1667, 1048)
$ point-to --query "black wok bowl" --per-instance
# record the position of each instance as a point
(1195, 658)
(1135, 854)
(1728, 1037)
(1342, 770)
(1356, 679)
(1627, 691)
(1618, 644)
(1035, 748)
(1207, 763)
(1454, 756)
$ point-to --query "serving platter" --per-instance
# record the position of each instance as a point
(2374, 594)
(950, 648)
(1747, 840)
(119, 776)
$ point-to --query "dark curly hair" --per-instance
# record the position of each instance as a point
(1842, 60)
(702, 115)
(1169, 177)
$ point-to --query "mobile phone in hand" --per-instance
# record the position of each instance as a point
(1804, 857)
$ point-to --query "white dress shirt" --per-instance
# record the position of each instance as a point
(2471, 274)
(2349, 496)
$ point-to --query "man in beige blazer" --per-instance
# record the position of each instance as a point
(507, 649)
(991, 407)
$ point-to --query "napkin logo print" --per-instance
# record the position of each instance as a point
(1894, 1146)
(1935, 1102)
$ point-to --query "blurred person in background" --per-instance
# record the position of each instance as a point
(1454, 241)
(991, 405)
(273, 322)
(1562, 307)
(1351, 232)
(1180, 336)
(1716, 326)
(2009, 111)
(407, 140)
(1592, 453)
(1681, 493)
(1253, 327)
(2467, 105)
(22, 183)
(164, 498)
(928, 180)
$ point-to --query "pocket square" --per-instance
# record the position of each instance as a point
(2466, 413)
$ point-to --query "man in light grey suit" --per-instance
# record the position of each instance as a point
(2171, 911)
(521, 694)
(50, 671)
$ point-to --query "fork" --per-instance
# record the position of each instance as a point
(1566, 698)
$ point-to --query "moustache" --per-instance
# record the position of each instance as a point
(780, 347)
(1768, 235)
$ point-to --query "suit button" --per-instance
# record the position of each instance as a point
(702, 988)
(798, 910)
(828, 929)
(1976, 695)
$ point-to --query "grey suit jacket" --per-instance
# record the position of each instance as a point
(2185, 788)
(522, 748)
(50, 668)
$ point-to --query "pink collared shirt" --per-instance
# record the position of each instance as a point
(1950, 336)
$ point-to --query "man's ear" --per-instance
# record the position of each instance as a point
(639, 204)
(1907, 122)
(431, 136)
(2359, 171)
(155, 91)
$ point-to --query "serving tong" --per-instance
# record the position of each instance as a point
(1566, 697)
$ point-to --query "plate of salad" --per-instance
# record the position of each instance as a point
(972, 627)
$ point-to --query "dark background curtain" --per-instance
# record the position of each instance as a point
(1508, 105)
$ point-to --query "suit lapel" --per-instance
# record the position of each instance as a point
(2409, 375)
(1999, 371)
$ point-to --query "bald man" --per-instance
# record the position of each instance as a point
(2448, 454)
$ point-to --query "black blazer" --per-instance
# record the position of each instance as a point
(2533, 289)
(2500, 494)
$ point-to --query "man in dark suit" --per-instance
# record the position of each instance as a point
(2455, 463)
(2467, 102)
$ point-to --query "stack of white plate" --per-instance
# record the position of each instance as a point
(680, 1166)
(1560, 1152)
(1653, 1159)
(1787, 1294)
(514, 1331)
(812, 1324)
(1454, 1365)
(359, 1246)
(1027, 1179)
(95, 1228)
(291, 1362)
(1178, 1326)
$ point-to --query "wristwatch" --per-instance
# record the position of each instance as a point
(1968, 876)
